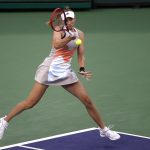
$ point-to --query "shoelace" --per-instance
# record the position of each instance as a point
(109, 127)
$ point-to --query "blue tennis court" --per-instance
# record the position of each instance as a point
(87, 139)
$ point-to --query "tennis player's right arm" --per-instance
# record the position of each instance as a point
(58, 42)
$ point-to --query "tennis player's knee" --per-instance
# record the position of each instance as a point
(28, 104)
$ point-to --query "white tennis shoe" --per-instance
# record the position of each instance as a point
(106, 132)
(3, 127)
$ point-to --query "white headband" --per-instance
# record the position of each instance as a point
(68, 14)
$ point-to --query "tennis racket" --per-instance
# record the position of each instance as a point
(56, 22)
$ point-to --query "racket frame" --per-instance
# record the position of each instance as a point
(52, 18)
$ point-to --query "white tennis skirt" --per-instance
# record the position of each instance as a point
(42, 75)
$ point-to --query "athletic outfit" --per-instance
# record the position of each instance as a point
(56, 68)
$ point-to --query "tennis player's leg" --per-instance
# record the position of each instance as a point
(78, 90)
(33, 98)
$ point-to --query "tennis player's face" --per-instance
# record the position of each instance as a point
(70, 22)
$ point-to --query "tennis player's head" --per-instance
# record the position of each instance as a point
(69, 14)
(70, 18)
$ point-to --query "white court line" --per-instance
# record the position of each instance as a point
(48, 138)
(31, 148)
(65, 134)
(134, 135)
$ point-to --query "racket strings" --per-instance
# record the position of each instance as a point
(57, 22)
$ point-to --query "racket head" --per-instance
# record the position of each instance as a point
(56, 22)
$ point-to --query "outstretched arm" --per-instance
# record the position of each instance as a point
(81, 59)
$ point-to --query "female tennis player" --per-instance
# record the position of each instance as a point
(56, 70)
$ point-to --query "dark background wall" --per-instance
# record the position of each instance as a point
(76, 4)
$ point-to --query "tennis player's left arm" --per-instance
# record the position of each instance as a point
(81, 56)
(81, 60)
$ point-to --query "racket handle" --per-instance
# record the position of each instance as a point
(72, 34)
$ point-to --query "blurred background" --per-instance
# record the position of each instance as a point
(78, 4)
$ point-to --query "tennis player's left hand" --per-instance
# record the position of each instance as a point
(73, 34)
(86, 74)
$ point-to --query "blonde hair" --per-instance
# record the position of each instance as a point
(67, 8)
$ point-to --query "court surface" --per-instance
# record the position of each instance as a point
(117, 50)
(87, 139)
